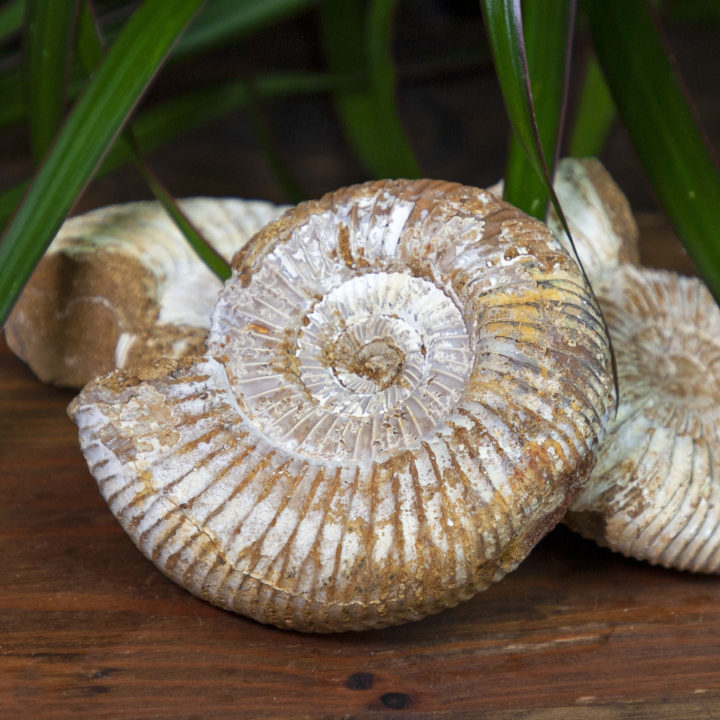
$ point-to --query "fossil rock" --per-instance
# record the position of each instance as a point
(598, 215)
(404, 385)
(120, 286)
(654, 492)
(602, 225)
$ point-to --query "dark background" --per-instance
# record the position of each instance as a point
(447, 95)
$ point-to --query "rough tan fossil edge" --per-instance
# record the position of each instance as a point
(110, 291)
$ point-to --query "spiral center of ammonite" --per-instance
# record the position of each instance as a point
(370, 367)
(377, 344)
(371, 361)
(683, 376)
(686, 365)
(675, 375)
(378, 362)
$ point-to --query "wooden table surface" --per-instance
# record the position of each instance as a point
(90, 629)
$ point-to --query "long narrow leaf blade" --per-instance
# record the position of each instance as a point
(356, 37)
(503, 22)
(91, 50)
(594, 115)
(662, 126)
(11, 17)
(547, 27)
(207, 254)
(91, 126)
(89, 41)
(47, 52)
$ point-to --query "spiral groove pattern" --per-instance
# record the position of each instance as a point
(403, 388)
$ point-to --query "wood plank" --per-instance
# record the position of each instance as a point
(89, 628)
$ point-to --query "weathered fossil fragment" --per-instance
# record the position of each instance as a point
(598, 215)
(654, 492)
(120, 286)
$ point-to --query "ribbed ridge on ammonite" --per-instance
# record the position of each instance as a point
(120, 286)
(404, 385)
(654, 492)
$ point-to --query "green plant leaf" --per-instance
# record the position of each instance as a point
(356, 37)
(204, 250)
(47, 51)
(547, 28)
(89, 40)
(594, 115)
(90, 128)
(503, 23)
(91, 49)
(661, 123)
(11, 17)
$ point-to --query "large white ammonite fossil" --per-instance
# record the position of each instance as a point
(402, 391)
(120, 286)
(654, 492)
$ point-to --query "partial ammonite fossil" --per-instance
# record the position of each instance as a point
(598, 215)
(404, 386)
(654, 494)
(120, 286)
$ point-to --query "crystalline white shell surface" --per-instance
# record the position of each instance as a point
(654, 492)
(119, 286)
(404, 385)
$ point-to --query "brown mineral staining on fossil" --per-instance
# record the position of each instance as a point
(365, 442)
(120, 287)
(654, 492)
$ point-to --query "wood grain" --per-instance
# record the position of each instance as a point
(89, 628)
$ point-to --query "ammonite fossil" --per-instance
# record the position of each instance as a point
(598, 215)
(403, 388)
(120, 286)
(654, 492)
